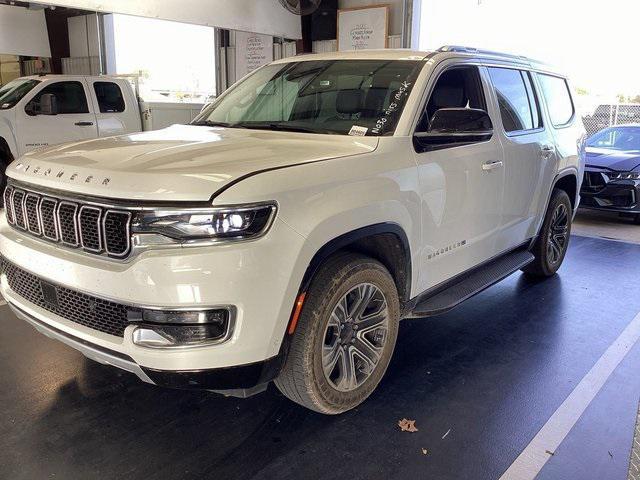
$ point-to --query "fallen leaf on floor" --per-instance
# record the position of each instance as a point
(448, 431)
(610, 454)
(424, 451)
(407, 425)
(550, 452)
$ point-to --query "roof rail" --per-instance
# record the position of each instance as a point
(463, 49)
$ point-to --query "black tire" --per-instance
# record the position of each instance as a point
(636, 219)
(5, 160)
(303, 378)
(549, 253)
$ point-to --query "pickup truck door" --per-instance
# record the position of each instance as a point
(75, 119)
(116, 107)
(461, 185)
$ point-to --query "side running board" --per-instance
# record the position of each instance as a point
(451, 295)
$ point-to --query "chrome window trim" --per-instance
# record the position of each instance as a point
(26, 211)
(75, 223)
(98, 226)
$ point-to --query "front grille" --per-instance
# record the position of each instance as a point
(97, 313)
(93, 228)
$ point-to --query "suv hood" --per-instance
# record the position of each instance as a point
(179, 163)
(612, 159)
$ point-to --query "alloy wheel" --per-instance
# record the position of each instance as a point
(558, 234)
(355, 337)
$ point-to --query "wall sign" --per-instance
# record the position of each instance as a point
(252, 51)
(363, 28)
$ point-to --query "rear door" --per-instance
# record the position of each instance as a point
(116, 111)
(75, 119)
(529, 153)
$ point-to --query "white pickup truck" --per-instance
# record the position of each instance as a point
(44, 110)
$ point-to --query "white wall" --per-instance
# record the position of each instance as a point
(260, 16)
(83, 36)
(395, 11)
(23, 32)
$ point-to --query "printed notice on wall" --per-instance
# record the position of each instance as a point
(252, 51)
(362, 28)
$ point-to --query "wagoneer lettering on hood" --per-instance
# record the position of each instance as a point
(180, 163)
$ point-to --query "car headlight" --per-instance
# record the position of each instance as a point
(624, 175)
(195, 225)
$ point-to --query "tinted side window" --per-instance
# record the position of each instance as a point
(70, 96)
(458, 87)
(109, 97)
(516, 99)
(559, 102)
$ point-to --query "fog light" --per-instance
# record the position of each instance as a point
(176, 328)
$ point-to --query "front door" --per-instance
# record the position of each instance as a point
(461, 186)
(75, 119)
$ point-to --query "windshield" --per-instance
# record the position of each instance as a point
(12, 92)
(616, 138)
(357, 97)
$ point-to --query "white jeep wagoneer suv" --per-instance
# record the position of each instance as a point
(286, 231)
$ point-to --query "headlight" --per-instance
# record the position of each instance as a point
(624, 175)
(204, 224)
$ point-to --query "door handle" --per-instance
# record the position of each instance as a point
(83, 124)
(492, 165)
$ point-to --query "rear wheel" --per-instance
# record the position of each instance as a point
(552, 243)
(345, 336)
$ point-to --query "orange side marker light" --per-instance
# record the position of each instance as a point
(296, 313)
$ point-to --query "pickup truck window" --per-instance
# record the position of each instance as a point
(358, 97)
(14, 91)
(69, 95)
(109, 95)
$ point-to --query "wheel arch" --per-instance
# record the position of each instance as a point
(567, 181)
(385, 242)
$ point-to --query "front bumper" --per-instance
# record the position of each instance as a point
(241, 381)
(259, 278)
(598, 193)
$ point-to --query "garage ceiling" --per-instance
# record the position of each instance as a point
(263, 16)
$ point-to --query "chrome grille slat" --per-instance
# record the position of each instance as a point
(98, 229)
(8, 204)
(31, 204)
(89, 228)
(48, 219)
(18, 208)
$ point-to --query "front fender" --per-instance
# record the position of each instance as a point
(7, 136)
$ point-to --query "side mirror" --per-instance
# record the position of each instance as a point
(48, 104)
(460, 120)
(456, 126)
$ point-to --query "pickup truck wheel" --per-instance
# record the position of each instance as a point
(552, 243)
(345, 336)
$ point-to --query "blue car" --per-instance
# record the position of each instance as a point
(612, 173)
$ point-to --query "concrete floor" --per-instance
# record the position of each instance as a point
(480, 382)
(594, 223)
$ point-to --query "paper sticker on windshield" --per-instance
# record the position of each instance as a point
(357, 131)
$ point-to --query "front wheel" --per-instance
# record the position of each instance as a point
(345, 336)
(552, 242)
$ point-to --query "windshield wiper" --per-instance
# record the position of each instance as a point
(284, 127)
(209, 123)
